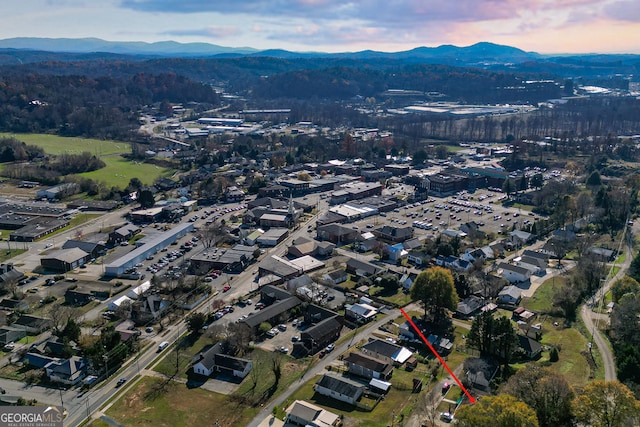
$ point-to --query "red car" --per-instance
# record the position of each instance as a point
(226, 288)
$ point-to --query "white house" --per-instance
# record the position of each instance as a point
(116, 303)
(514, 273)
(510, 295)
(69, 371)
(361, 312)
(213, 360)
(303, 413)
(136, 292)
(339, 388)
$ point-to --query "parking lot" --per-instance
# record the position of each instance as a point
(434, 215)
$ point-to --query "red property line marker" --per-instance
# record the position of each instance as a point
(433, 350)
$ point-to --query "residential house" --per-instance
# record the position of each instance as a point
(603, 254)
(418, 257)
(368, 366)
(32, 325)
(382, 349)
(530, 347)
(396, 252)
(472, 229)
(535, 254)
(9, 334)
(8, 273)
(407, 280)
(363, 268)
(66, 371)
(305, 414)
(36, 360)
(361, 313)
(215, 360)
(442, 345)
(510, 295)
(78, 297)
(470, 306)
(513, 273)
(518, 239)
(523, 315)
(317, 337)
(393, 234)
(336, 233)
(339, 388)
(336, 277)
(123, 234)
(13, 305)
(54, 346)
(537, 266)
(412, 244)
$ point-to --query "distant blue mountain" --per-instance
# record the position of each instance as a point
(92, 45)
(478, 52)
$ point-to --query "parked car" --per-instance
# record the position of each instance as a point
(329, 348)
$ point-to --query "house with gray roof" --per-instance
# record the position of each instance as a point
(92, 248)
(368, 366)
(274, 314)
(301, 413)
(64, 260)
(510, 295)
(215, 360)
(339, 388)
(32, 325)
(66, 371)
(317, 337)
(513, 273)
(9, 334)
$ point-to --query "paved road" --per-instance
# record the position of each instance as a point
(319, 367)
(588, 315)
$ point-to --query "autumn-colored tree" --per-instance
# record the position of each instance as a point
(304, 176)
(547, 392)
(503, 410)
(607, 404)
(435, 290)
(348, 145)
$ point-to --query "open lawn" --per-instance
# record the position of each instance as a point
(79, 219)
(6, 254)
(542, 300)
(572, 345)
(119, 172)
(149, 404)
(153, 402)
(53, 144)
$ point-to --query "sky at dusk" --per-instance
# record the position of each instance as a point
(544, 26)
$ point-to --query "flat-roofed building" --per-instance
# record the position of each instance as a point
(128, 261)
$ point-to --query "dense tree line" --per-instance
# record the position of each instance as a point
(103, 107)
(12, 150)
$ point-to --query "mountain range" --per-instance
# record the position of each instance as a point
(485, 52)
(51, 53)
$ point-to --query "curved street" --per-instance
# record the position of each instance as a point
(588, 315)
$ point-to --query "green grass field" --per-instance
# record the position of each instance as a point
(119, 172)
(542, 299)
(54, 144)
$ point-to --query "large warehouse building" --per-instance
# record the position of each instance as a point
(122, 264)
